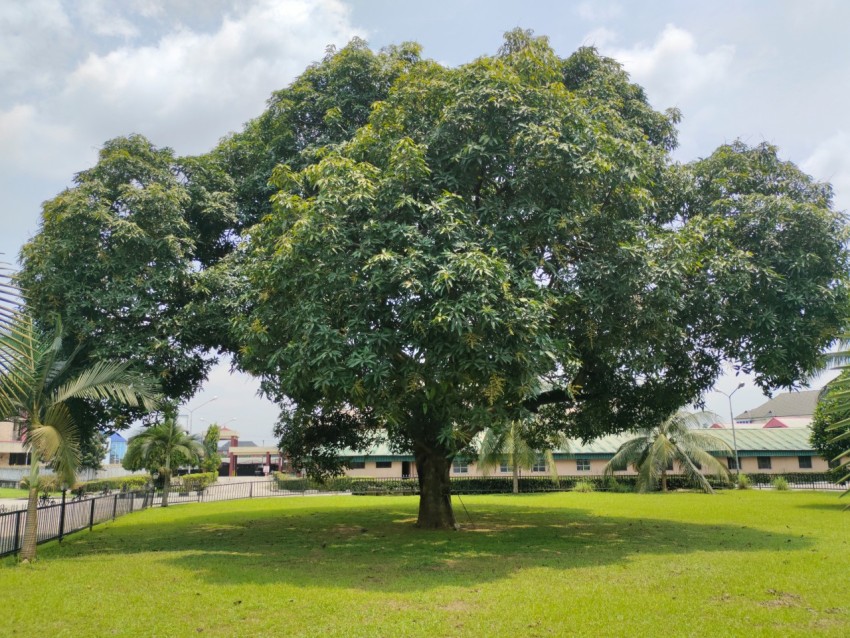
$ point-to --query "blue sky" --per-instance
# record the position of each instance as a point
(186, 72)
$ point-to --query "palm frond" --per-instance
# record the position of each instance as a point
(106, 380)
(629, 453)
(56, 439)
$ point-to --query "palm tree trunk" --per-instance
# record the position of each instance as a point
(28, 547)
(166, 480)
(516, 478)
(663, 480)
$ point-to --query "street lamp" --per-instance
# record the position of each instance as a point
(190, 412)
(734, 438)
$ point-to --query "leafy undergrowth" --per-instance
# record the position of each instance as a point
(738, 563)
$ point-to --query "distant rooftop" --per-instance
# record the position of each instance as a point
(800, 404)
(787, 441)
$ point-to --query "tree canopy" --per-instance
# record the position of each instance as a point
(118, 257)
(427, 251)
(511, 237)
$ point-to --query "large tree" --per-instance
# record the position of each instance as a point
(511, 237)
(119, 256)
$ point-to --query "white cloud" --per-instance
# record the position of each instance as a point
(830, 162)
(672, 69)
(36, 37)
(32, 145)
(100, 17)
(600, 37)
(189, 88)
(599, 11)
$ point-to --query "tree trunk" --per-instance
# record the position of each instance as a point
(435, 500)
(28, 546)
(516, 477)
(166, 486)
(663, 481)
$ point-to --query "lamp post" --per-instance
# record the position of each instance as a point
(734, 438)
(190, 412)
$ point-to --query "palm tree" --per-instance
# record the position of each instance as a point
(161, 447)
(36, 384)
(509, 447)
(677, 438)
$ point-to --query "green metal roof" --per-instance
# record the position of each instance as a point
(751, 442)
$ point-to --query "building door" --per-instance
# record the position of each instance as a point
(405, 469)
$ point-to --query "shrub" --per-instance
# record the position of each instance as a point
(121, 483)
(46, 484)
(780, 483)
(584, 486)
(744, 482)
(195, 482)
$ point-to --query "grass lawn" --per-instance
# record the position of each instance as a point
(738, 563)
(12, 492)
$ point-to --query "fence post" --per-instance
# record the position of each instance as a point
(91, 514)
(18, 530)
(251, 490)
(132, 500)
(62, 518)
(114, 506)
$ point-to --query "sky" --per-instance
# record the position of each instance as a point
(184, 73)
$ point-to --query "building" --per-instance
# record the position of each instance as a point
(116, 449)
(12, 453)
(769, 451)
(789, 409)
(246, 458)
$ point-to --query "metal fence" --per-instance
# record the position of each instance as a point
(55, 521)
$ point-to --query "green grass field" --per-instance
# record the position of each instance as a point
(738, 563)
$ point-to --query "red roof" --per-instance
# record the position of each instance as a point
(775, 423)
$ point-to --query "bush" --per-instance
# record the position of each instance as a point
(744, 482)
(46, 484)
(195, 482)
(780, 483)
(584, 486)
(119, 483)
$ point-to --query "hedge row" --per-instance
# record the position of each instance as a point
(119, 483)
(504, 484)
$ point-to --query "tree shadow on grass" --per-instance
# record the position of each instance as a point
(378, 548)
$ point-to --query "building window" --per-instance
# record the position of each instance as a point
(504, 468)
(582, 465)
(805, 462)
(357, 465)
(732, 463)
(539, 464)
(18, 458)
(383, 465)
(460, 466)
(764, 462)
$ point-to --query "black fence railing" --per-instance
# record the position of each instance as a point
(55, 521)
(61, 519)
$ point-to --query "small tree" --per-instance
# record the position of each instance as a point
(510, 446)
(161, 448)
(676, 439)
(211, 461)
(36, 385)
